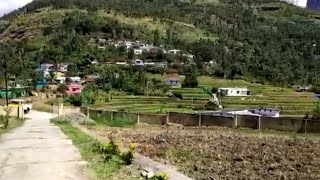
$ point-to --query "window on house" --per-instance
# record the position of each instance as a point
(238, 92)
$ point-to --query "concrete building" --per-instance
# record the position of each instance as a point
(234, 91)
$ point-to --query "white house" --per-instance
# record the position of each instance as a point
(75, 79)
(137, 51)
(128, 44)
(189, 56)
(121, 63)
(60, 80)
(269, 112)
(234, 91)
(138, 62)
(174, 51)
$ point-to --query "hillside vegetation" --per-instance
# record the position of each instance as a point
(260, 40)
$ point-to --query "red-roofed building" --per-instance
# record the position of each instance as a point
(173, 80)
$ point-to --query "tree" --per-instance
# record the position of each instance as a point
(190, 81)
(62, 89)
(156, 37)
(130, 54)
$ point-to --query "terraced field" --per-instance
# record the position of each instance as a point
(194, 99)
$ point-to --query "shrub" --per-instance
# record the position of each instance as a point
(211, 106)
(190, 81)
(177, 95)
(91, 87)
(214, 90)
(160, 176)
(179, 106)
(315, 89)
(75, 100)
(62, 89)
(127, 157)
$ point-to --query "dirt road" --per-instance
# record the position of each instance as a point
(39, 150)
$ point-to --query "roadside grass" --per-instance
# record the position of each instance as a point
(13, 123)
(98, 169)
(42, 106)
(116, 122)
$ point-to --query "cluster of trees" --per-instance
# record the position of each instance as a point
(276, 43)
(132, 81)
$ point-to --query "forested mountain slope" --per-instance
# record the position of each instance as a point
(265, 40)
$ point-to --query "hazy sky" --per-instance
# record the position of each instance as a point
(9, 5)
(302, 3)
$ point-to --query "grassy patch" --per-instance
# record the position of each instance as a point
(42, 106)
(13, 123)
(98, 169)
(116, 122)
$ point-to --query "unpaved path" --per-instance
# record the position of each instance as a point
(39, 150)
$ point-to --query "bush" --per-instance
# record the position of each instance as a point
(190, 81)
(214, 90)
(111, 149)
(315, 89)
(177, 95)
(91, 87)
(127, 157)
(75, 100)
(62, 89)
(211, 106)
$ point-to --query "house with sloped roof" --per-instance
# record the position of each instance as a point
(173, 80)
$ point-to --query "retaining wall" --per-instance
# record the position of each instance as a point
(247, 121)
(160, 119)
(282, 124)
(208, 120)
(242, 121)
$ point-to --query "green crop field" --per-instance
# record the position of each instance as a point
(195, 99)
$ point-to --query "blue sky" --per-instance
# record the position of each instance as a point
(9, 5)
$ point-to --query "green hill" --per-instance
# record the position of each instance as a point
(264, 40)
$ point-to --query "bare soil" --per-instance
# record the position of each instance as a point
(221, 153)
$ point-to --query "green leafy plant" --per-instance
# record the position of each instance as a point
(127, 157)
(160, 176)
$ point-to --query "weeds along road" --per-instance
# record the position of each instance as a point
(39, 150)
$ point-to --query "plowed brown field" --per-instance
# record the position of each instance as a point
(219, 153)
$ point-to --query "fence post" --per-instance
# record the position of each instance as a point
(259, 122)
(167, 117)
(111, 115)
(305, 125)
(138, 121)
(88, 112)
(200, 119)
(20, 112)
(60, 109)
(235, 121)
